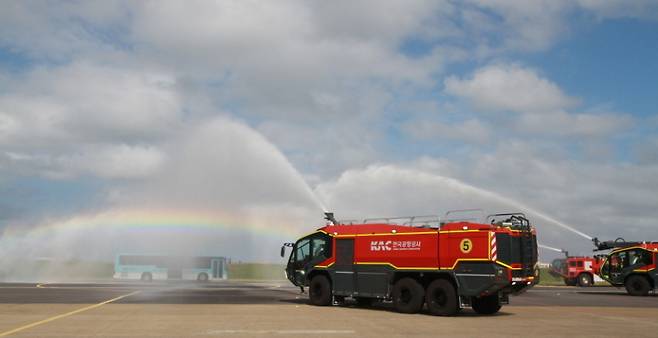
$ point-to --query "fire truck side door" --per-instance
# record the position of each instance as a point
(301, 256)
(344, 267)
(617, 263)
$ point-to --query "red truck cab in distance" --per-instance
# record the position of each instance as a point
(576, 270)
(444, 267)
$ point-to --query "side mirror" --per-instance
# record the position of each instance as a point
(283, 251)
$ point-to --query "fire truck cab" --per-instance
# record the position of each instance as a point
(632, 266)
(446, 266)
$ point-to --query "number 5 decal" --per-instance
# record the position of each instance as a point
(466, 245)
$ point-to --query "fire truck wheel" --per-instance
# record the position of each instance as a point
(319, 291)
(585, 280)
(570, 281)
(441, 298)
(486, 305)
(408, 295)
(637, 285)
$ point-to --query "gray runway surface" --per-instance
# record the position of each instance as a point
(272, 293)
(149, 293)
(177, 309)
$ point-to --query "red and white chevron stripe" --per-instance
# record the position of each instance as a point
(494, 256)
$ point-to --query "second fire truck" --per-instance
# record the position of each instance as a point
(630, 264)
(576, 270)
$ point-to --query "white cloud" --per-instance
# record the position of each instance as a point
(613, 9)
(564, 124)
(95, 100)
(499, 26)
(102, 161)
(286, 59)
(115, 161)
(646, 151)
(520, 25)
(531, 104)
(469, 131)
(88, 119)
(509, 87)
(60, 31)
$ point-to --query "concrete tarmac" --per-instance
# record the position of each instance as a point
(249, 309)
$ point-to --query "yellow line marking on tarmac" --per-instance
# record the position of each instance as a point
(64, 315)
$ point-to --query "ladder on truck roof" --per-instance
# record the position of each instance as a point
(419, 221)
(617, 243)
(513, 220)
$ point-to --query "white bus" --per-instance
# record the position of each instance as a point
(157, 267)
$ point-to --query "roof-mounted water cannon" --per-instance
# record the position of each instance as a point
(515, 220)
(607, 245)
(329, 216)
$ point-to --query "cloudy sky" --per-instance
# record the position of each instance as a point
(112, 112)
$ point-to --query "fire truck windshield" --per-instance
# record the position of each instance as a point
(624, 259)
(311, 248)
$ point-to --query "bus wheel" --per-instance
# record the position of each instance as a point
(319, 291)
(202, 277)
(146, 277)
(637, 285)
(585, 280)
(408, 295)
(441, 298)
(486, 305)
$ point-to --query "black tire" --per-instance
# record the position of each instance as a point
(486, 305)
(146, 277)
(202, 277)
(319, 291)
(585, 280)
(363, 301)
(441, 298)
(408, 295)
(637, 285)
(570, 281)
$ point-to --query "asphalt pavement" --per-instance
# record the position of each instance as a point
(182, 309)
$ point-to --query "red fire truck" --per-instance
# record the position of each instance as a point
(630, 264)
(576, 270)
(447, 266)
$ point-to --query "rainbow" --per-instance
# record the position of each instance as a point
(167, 219)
